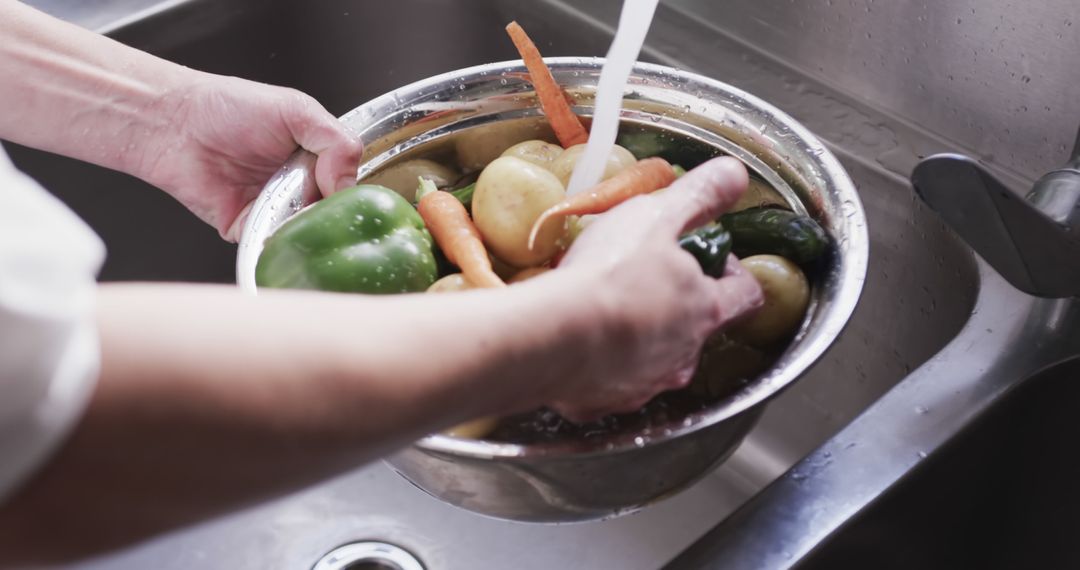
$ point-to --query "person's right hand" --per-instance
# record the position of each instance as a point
(652, 306)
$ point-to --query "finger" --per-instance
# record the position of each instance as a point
(702, 194)
(233, 233)
(738, 294)
(682, 377)
(580, 413)
(338, 150)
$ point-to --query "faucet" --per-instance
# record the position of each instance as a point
(1034, 243)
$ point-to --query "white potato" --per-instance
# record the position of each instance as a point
(478, 146)
(475, 429)
(538, 152)
(724, 365)
(617, 161)
(450, 283)
(575, 225)
(787, 295)
(510, 195)
(403, 176)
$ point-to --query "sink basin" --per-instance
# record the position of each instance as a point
(1002, 494)
(922, 282)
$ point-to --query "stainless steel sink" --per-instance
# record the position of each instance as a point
(1002, 494)
(923, 288)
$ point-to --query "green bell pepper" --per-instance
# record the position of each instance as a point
(364, 239)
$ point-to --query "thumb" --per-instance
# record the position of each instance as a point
(338, 150)
(702, 194)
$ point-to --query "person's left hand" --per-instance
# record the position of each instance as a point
(229, 135)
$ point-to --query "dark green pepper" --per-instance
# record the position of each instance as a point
(463, 194)
(364, 239)
(710, 245)
(778, 232)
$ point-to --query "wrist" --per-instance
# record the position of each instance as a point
(161, 134)
(562, 316)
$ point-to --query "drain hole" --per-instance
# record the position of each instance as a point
(369, 555)
(373, 565)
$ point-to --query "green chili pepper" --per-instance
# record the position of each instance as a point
(463, 194)
(710, 245)
(364, 239)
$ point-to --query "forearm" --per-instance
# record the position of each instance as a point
(285, 390)
(71, 91)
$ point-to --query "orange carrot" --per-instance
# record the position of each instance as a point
(458, 238)
(645, 176)
(553, 100)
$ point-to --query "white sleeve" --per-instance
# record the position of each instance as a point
(49, 352)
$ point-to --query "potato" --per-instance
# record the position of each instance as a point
(510, 195)
(526, 274)
(563, 167)
(538, 152)
(575, 225)
(758, 193)
(478, 146)
(475, 429)
(402, 177)
(450, 283)
(787, 295)
(724, 365)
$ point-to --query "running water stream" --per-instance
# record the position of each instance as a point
(634, 23)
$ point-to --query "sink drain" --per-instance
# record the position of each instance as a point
(368, 555)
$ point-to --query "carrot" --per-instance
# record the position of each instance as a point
(553, 100)
(449, 224)
(645, 176)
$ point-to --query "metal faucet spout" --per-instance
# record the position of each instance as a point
(1034, 243)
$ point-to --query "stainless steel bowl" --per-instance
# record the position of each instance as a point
(592, 480)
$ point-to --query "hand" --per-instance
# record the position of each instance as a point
(653, 306)
(231, 135)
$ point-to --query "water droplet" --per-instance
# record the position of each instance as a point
(921, 410)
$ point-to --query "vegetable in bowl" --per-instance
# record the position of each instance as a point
(516, 195)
